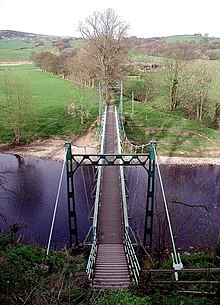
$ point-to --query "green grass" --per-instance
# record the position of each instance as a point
(176, 135)
(134, 57)
(18, 50)
(194, 38)
(52, 96)
(76, 43)
(27, 276)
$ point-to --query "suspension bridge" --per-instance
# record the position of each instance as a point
(112, 262)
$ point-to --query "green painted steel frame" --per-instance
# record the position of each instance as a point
(71, 197)
(148, 228)
(110, 160)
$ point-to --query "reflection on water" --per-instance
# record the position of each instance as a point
(193, 196)
(29, 191)
(28, 197)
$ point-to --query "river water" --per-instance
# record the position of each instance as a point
(193, 197)
(28, 195)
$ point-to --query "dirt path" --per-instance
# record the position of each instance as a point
(15, 63)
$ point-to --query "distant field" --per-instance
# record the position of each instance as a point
(18, 50)
(145, 58)
(195, 38)
(52, 96)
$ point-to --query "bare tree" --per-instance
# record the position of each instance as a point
(194, 93)
(178, 55)
(17, 103)
(104, 33)
(82, 69)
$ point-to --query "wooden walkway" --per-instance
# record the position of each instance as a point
(111, 270)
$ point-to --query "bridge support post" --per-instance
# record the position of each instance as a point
(148, 228)
(71, 197)
(100, 105)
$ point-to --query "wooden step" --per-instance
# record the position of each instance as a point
(111, 270)
(112, 281)
(109, 286)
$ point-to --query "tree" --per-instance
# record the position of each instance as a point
(178, 56)
(104, 34)
(61, 44)
(17, 103)
(44, 61)
(216, 117)
(82, 69)
(195, 90)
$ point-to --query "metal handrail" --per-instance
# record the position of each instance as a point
(128, 246)
(125, 140)
(93, 251)
(92, 258)
(131, 257)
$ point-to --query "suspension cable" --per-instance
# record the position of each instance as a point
(55, 206)
(126, 140)
(177, 264)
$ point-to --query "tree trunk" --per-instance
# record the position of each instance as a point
(173, 95)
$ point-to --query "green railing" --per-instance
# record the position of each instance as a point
(93, 251)
(133, 263)
(132, 260)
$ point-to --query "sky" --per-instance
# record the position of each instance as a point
(155, 18)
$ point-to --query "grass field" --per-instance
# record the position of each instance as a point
(18, 50)
(175, 133)
(52, 96)
(194, 38)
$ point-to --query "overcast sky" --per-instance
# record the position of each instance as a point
(146, 18)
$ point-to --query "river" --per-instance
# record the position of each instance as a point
(28, 195)
(29, 187)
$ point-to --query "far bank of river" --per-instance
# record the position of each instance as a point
(53, 149)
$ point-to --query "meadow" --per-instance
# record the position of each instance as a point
(16, 50)
(51, 98)
(175, 132)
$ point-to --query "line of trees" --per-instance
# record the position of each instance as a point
(183, 79)
(103, 56)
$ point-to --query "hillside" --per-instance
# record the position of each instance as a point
(18, 46)
(204, 47)
(10, 34)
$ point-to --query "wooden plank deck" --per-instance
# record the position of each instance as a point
(111, 269)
